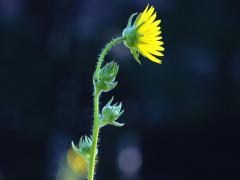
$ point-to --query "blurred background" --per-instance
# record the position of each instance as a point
(182, 117)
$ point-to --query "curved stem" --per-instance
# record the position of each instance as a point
(105, 51)
(97, 94)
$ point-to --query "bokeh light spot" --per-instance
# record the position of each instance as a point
(130, 160)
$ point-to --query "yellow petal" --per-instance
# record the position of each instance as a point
(150, 50)
(152, 34)
(150, 31)
(146, 9)
(148, 38)
(149, 46)
(149, 13)
(146, 15)
(140, 19)
(149, 21)
(153, 25)
(156, 23)
(156, 53)
(150, 42)
(150, 57)
(155, 43)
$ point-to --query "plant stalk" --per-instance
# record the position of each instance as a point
(97, 93)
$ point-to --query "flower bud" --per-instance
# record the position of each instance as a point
(110, 113)
(84, 147)
(107, 75)
(108, 72)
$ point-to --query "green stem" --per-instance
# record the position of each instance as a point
(97, 94)
(105, 51)
(95, 136)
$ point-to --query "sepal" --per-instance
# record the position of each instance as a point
(135, 54)
(130, 20)
(131, 36)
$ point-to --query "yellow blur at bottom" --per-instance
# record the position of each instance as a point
(76, 162)
(72, 167)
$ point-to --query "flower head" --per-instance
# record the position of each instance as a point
(144, 35)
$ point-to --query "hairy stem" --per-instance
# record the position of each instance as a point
(105, 51)
(97, 93)
(95, 136)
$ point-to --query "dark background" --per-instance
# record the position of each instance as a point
(182, 117)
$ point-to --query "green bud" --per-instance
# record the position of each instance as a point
(110, 113)
(108, 72)
(84, 147)
(107, 76)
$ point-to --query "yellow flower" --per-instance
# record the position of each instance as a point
(144, 35)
